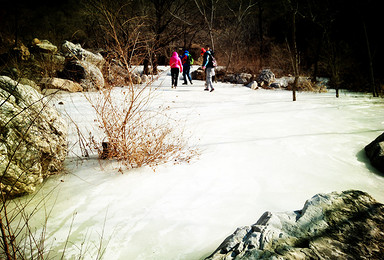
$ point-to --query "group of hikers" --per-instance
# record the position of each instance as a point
(183, 63)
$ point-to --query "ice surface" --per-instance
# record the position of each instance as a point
(259, 151)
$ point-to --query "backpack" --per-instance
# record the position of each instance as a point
(190, 59)
(187, 59)
(214, 62)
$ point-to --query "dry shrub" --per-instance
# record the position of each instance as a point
(136, 134)
(305, 84)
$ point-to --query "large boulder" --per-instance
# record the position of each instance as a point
(375, 152)
(83, 66)
(32, 138)
(265, 78)
(339, 225)
(87, 74)
(75, 51)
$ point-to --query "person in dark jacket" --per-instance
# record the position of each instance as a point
(187, 62)
(209, 68)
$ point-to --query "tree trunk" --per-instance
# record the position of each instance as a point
(261, 32)
(317, 57)
(16, 27)
(295, 57)
(371, 74)
(294, 88)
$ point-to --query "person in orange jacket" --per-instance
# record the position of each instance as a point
(176, 68)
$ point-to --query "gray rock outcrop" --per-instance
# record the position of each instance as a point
(375, 152)
(83, 66)
(339, 225)
(238, 78)
(32, 138)
(265, 78)
(75, 51)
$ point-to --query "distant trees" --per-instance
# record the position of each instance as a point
(334, 39)
(238, 13)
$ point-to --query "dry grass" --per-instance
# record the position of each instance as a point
(305, 84)
(136, 134)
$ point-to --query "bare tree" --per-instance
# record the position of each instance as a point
(207, 9)
(371, 74)
(293, 7)
(239, 11)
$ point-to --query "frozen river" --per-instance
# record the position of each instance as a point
(259, 151)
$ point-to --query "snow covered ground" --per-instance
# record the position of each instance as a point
(259, 151)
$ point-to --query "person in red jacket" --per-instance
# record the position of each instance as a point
(176, 68)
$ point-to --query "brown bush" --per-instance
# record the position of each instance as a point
(135, 134)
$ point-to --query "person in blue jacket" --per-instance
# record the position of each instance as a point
(209, 68)
(187, 61)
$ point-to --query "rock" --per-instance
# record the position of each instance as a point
(87, 74)
(253, 85)
(198, 74)
(338, 225)
(220, 72)
(284, 81)
(265, 78)
(75, 51)
(62, 84)
(21, 52)
(29, 82)
(243, 78)
(274, 85)
(375, 152)
(44, 46)
(33, 138)
(115, 74)
(145, 78)
(230, 78)
(83, 66)
(35, 41)
(136, 79)
(55, 59)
